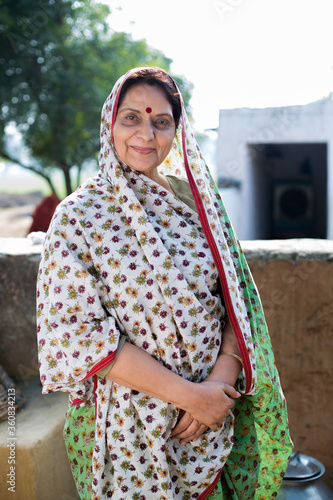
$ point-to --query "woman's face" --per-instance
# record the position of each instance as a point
(144, 128)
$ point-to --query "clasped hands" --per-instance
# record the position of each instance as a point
(207, 407)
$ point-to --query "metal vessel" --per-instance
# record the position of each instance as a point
(302, 480)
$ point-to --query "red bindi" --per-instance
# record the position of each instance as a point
(148, 110)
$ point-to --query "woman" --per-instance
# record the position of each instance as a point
(148, 318)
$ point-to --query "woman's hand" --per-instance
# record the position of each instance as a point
(187, 428)
(210, 402)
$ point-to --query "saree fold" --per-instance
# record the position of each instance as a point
(123, 256)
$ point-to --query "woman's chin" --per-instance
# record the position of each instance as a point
(147, 170)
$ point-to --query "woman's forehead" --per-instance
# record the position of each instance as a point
(145, 96)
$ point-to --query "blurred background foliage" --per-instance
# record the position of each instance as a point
(59, 60)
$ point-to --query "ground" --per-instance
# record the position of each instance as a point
(16, 213)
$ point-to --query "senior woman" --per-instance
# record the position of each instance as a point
(149, 319)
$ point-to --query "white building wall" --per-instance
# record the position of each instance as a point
(293, 124)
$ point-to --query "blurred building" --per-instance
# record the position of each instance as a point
(275, 170)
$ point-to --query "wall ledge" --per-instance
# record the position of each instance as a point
(292, 249)
(19, 246)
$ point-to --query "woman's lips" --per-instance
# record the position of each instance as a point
(143, 151)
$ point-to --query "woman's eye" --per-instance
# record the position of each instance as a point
(162, 123)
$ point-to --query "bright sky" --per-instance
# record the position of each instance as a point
(238, 53)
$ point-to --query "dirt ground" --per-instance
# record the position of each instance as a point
(15, 222)
(16, 213)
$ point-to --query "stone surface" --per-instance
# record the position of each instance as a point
(294, 250)
(42, 470)
(19, 259)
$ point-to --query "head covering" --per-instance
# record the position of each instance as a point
(125, 256)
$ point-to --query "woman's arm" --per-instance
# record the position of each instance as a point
(208, 402)
(227, 368)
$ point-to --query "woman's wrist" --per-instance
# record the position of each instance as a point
(233, 355)
(137, 370)
(180, 392)
(226, 369)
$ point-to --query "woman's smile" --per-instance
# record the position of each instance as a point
(143, 151)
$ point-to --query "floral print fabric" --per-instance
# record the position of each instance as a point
(123, 256)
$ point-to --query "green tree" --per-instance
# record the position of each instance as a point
(59, 60)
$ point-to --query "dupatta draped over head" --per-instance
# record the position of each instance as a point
(125, 257)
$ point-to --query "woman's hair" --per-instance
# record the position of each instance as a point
(155, 77)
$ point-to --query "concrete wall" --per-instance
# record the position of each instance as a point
(295, 281)
(19, 260)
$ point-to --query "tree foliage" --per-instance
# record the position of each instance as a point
(59, 61)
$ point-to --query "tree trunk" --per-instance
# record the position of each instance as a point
(68, 183)
(50, 183)
(78, 177)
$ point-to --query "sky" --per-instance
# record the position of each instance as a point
(238, 53)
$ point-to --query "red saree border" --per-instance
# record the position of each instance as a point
(220, 268)
(210, 488)
(95, 397)
(77, 401)
(101, 364)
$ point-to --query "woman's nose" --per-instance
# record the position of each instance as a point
(146, 130)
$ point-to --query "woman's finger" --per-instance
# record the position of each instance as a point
(211, 403)
(231, 391)
(189, 431)
(196, 434)
(193, 431)
(185, 420)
